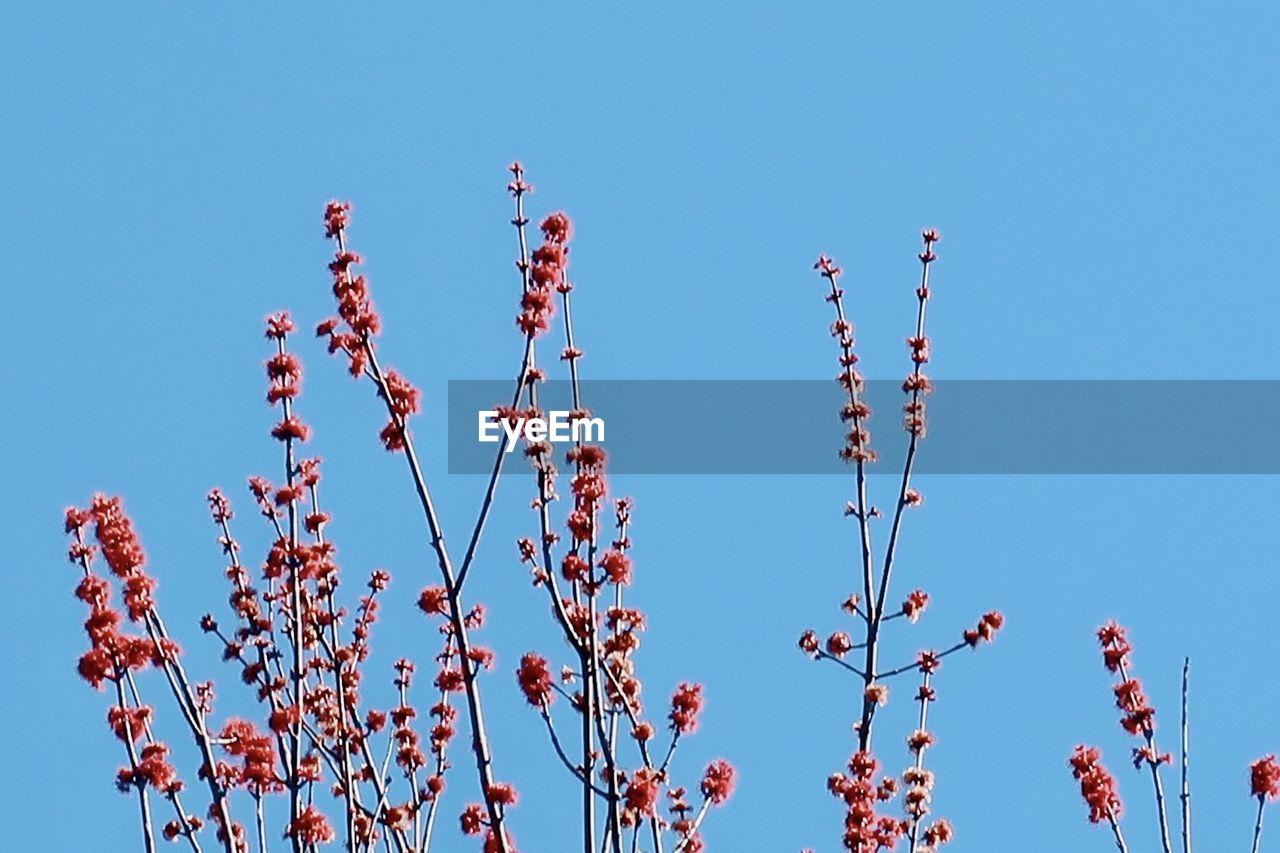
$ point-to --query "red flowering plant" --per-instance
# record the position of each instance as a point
(586, 583)
(864, 789)
(1099, 788)
(302, 652)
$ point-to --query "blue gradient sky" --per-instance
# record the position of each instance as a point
(1105, 181)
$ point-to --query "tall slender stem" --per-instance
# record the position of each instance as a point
(860, 455)
(1257, 824)
(293, 782)
(457, 611)
(915, 427)
(1119, 836)
(1186, 741)
(919, 762)
(144, 803)
(1153, 761)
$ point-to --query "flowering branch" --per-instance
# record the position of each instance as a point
(866, 831)
(1264, 784)
(1139, 716)
(602, 631)
(1098, 787)
(361, 323)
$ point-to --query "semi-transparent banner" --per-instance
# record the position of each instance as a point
(737, 426)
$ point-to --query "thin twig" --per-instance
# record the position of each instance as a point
(1119, 836)
(1186, 740)
(1153, 761)
(1257, 824)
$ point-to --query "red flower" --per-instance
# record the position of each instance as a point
(311, 828)
(501, 792)
(920, 739)
(617, 566)
(642, 792)
(1097, 785)
(244, 741)
(134, 720)
(121, 547)
(155, 770)
(718, 781)
(472, 819)
(839, 644)
(939, 833)
(557, 228)
(403, 397)
(434, 601)
(535, 679)
(574, 568)
(450, 680)
(279, 325)
(863, 765)
(686, 704)
(915, 605)
(291, 428)
(1115, 646)
(986, 630)
(336, 214)
(929, 661)
(1264, 777)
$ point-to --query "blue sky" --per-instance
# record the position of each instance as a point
(1102, 174)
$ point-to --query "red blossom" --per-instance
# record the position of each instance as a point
(1097, 785)
(1264, 778)
(686, 704)
(915, 604)
(501, 793)
(535, 679)
(839, 644)
(472, 819)
(617, 566)
(641, 794)
(718, 782)
(434, 601)
(311, 827)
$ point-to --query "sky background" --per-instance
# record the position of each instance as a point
(1105, 180)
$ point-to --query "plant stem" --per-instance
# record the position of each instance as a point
(1257, 824)
(1186, 740)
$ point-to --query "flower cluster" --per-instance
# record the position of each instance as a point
(535, 680)
(284, 374)
(546, 276)
(1137, 715)
(1097, 785)
(115, 656)
(865, 829)
(1264, 778)
(112, 652)
(686, 704)
(402, 400)
(985, 631)
(351, 290)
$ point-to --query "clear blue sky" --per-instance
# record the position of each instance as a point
(1103, 174)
